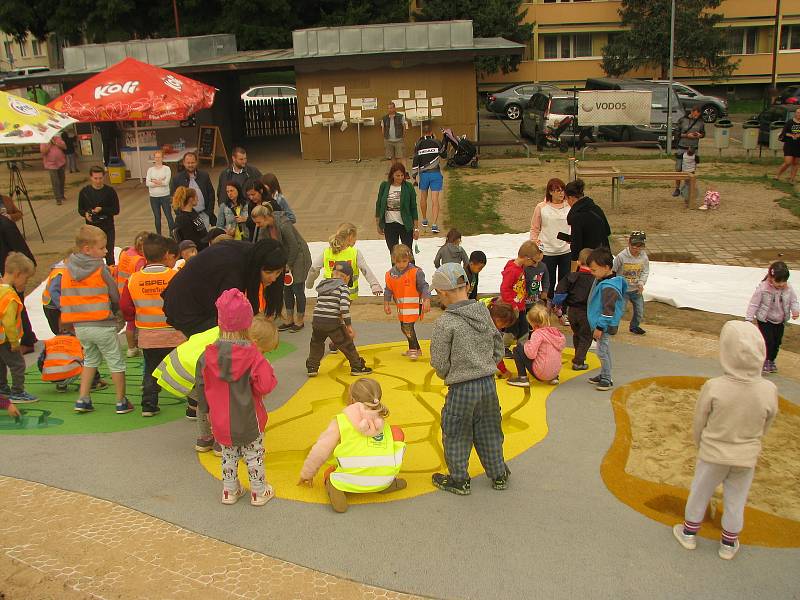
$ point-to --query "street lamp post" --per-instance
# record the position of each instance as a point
(669, 92)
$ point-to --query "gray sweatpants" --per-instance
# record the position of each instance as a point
(736, 485)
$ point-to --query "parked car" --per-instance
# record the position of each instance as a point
(791, 95)
(550, 117)
(269, 92)
(657, 130)
(776, 112)
(711, 107)
(510, 101)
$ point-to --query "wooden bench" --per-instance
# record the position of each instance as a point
(618, 176)
(643, 144)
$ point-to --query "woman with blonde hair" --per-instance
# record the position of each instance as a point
(188, 224)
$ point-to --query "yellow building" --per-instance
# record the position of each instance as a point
(29, 56)
(569, 35)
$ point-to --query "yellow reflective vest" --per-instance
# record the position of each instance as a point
(365, 464)
(348, 255)
(176, 373)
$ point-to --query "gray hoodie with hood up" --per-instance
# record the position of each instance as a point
(80, 266)
(465, 344)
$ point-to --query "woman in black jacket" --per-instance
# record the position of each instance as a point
(190, 299)
(588, 224)
(188, 224)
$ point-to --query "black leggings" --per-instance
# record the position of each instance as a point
(773, 336)
(396, 233)
(411, 335)
(562, 263)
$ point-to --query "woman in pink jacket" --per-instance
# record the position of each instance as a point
(54, 158)
(368, 451)
(541, 354)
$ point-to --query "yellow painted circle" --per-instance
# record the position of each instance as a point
(415, 396)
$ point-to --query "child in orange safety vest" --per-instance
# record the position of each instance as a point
(131, 259)
(61, 361)
(141, 303)
(17, 271)
(406, 286)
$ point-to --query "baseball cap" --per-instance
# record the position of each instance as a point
(449, 276)
(186, 244)
(638, 238)
(344, 267)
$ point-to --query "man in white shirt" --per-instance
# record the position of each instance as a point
(157, 181)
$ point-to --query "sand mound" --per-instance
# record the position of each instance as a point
(662, 449)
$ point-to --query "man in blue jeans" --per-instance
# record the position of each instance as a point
(632, 264)
(426, 165)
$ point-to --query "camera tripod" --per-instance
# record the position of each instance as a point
(18, 190)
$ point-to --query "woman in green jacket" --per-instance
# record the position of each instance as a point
(396, 209)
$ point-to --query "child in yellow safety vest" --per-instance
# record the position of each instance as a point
(367, 451)
(141, 303)
(131, 260)
(17, 271)
(406, 286)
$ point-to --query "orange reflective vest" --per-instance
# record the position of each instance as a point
(85, 300)
(262, 302)
(7, 299)
(63, 358)
(126, 268)
(58, 269)
(406, 295)
(146, 287)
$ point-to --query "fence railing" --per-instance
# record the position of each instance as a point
(270, 116)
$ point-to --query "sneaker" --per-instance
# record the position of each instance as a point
(285, 326)
(508, 353)
(5, 390)
(99, 385)
(687, 541)
(414, 354)
(424, 222)
(637, 331)
(448, 484)
(83, 405)
(555, 381)
(217, 448)
(501, 483)
(594, 380)
(312, 372)
(150, 411)
(229, 497)
(295, 328)
(332, 349)
(604, 384)
(22, 397)
(191, 413)
(728, 552)
(62, 387)
(519, 382)
(362, 370)
(702, 207)
(123, 407)
(676, 192)
(204, 445)
(773, 368)
(434, 228)
(580, 367)
(565, 321)
(132, 352)
(262, 499)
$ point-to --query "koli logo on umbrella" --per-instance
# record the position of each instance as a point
(129, 87)
(22, 107)
(174, 83)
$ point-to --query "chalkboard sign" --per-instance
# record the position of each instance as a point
(210, 144)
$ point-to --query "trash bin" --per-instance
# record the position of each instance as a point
(750, 134)
(775, 129)
(116, 171)
(722, 133)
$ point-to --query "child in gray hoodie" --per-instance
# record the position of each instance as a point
(733, 413)
(459, 353)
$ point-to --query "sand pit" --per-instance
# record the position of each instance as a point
(662, 450)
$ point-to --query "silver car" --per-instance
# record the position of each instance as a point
(510, 101)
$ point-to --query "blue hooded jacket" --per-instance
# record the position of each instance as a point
(607, 303)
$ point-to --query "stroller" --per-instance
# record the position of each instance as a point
(465, 151)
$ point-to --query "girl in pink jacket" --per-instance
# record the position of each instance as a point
(232, 379)
(541, 354)
(366, 449)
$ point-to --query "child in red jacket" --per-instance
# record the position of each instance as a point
(514, 289)
(232, 379)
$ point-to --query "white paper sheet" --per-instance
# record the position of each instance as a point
(355, 102)
(420, 93)
(338, 108)
(311, 110)
(327, 98)
(339, 90)
(313, 92)
(410, 104)
(422, 103)
(341, 99)
(436, 112)
(411, 114)
(307, 121)
(339, 117)
(355, 114)
(369, 103)
(404, 93)
(437, 101)
(316, 119)
(324, 108)
(398, 103)
(312, 100)
(422, 113)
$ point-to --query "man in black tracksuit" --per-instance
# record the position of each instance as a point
(426, 165)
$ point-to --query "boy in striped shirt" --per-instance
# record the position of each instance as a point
(332, 320)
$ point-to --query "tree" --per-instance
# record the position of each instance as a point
(698, 43)
(490, 18)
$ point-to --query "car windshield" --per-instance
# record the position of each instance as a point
(563, 106)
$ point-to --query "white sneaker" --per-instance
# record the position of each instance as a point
(262, 499)
(132, 352)
(687, 541)
(232, 497)
(728, 552)
(702, 207)
(555, 381)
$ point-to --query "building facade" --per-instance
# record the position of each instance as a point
(569, 36)
(28, 56)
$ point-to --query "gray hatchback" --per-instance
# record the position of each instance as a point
(510, 101)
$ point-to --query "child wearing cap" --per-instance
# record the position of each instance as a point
(232, 379)
(406, 286)
(331, 319)
(186, 249)
(632, 264)
(460, 354)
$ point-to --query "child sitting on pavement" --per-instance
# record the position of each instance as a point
(17, 270)
(632, 264)
(503, 316)
(407, 288)
(541, 354)
(460, 343)
(369, 452)
(733, 413)
(573, 291)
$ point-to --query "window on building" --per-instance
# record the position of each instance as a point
(36, 47)
(8, 48)
(742, 40)
(574, 45)
(790, 37)
(23, 51)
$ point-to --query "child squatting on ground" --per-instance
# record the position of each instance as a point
(17, 270)
(771, 306)
(632, 264)
(407, 288)
(733, 413)
(503, 316)
(367, 450)
(573, 291)
(604, 310)
(232, 379)
(541, 354)
(514, 285)
(471, 414)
